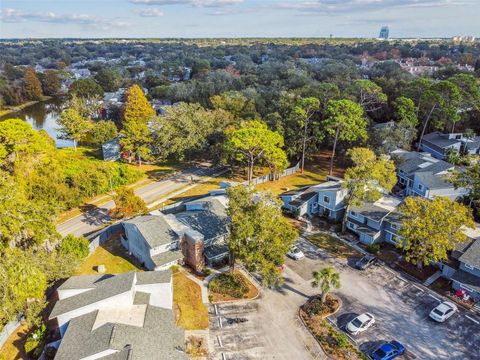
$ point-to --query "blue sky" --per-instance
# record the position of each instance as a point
(237, 18)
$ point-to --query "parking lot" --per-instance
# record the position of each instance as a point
(400, 307)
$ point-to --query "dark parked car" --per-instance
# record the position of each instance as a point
(388, 351)
(365, 262)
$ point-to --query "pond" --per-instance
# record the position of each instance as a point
(43, 115)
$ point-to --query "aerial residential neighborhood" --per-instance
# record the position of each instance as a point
(239, 180)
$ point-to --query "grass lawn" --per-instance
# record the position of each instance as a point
(333, 246)
(192, 314)
(309, 177)
(111, 254)
(14, 346)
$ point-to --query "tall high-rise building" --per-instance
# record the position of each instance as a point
(384, 32)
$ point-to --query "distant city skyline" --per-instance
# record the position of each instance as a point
(237, 18)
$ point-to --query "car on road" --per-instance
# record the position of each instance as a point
(295, 253)
(388, 351)
(360, 323)
(365, 262)
(443, 311)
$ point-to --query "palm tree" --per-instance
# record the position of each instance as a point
(326, 279)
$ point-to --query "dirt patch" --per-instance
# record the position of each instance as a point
(333, 246)
(421, 274)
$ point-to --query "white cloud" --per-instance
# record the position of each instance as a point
(149, 12)
(342, 6)
(14, 16)
(197, 3)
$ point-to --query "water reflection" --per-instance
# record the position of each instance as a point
(43, 115)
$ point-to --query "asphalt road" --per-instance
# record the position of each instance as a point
(95, 217)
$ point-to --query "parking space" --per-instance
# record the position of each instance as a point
(400, 307)
(235, 332)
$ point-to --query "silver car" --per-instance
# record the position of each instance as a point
(360, 323)
(295, 253)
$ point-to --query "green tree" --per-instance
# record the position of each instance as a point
(102, 131)
(440, 103)
(260, 235)
(368, 94)
(136, 136)
(405, 111)
(345, 121)
(363, 179)
(86, 89)
(108, 79)
(326, 279)
(78, 247)
(432, 228)
(51, 83)
(236, 103)
(253, 143)
(33, 86)
(468, 178)
(73, 126)
(304, 112)
(23, 284)
(127, 204)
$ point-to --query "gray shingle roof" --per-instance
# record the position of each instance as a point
(158, 339)
(83, 281)
(210, 222)
(154, 277)
(434, 181)
(155, 229)
(371, 211)
(471, 255)
(439, 140)
(105, 289)
(167, 257)
(414, 162)
(215, 250)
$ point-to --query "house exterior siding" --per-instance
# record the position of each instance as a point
(137, 245)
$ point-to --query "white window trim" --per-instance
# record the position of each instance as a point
(328, 199)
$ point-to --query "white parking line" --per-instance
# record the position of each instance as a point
(220, 323)
(390, 271)
(418, 288)
(216, 310)
(223, 356)
(434, 297)
(475, 321)
(219, 341)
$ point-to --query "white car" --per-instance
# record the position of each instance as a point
(295, 253)
(360, 323)
(443, 311)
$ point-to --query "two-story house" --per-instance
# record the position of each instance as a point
(368, 219)
(420, 174)
(467, 276)
(195, 234)
(326, 199)
(439, 144)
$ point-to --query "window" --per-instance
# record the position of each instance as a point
(468, 266)
(353, 213)
(420, 187)
(402, 181)
(394, 226)
(326, 200)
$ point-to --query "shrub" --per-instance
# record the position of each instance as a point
(206, 271)
(233, 285)
(342, 340)
(373, 248)
(313, 307)
(78, 247)
(196, 347)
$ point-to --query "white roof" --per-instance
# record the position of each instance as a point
(472, 233)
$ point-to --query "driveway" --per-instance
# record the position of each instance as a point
(96, 217)
(400, 308)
